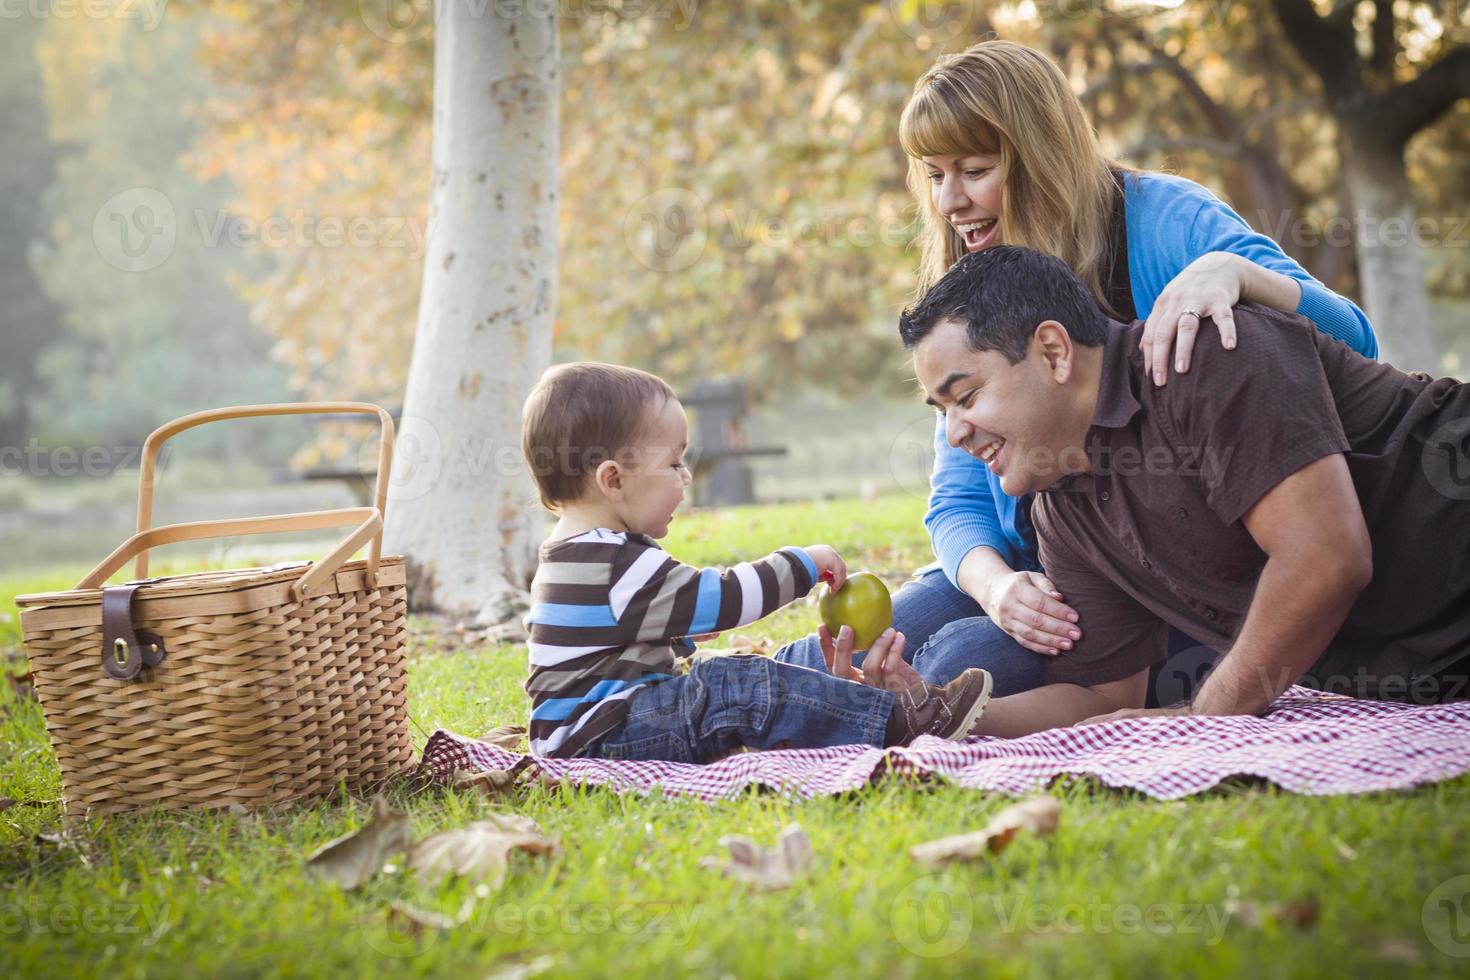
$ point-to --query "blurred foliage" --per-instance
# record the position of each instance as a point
(732, 190)
(145, 345)
(29, 321)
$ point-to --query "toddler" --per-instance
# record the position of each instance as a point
(612, 612)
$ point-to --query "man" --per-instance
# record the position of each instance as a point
(1297, 507)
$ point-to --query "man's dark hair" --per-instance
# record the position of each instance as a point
(1002, 295)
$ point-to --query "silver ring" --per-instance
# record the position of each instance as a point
(1193, 313)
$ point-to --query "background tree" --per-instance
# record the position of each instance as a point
(1385, 79)
(465, 512)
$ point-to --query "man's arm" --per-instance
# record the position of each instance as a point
(1311, 527)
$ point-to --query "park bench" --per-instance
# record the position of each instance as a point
(719, 452)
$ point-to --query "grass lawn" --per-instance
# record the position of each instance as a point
(1245, 880)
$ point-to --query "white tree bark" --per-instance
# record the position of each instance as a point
(1390, 262)
(461, 506)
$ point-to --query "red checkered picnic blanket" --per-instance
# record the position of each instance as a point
(1310, 742)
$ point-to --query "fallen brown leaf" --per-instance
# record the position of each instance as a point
(353, 858)
(1302, 915)
(766, 868)
(23, 685)
(480, 851)
(1253, 915)
(1399, 950)
(492, 784)
(746, 644)
(413, 921)
(521, 971)
(509, 737)
(1039, 815)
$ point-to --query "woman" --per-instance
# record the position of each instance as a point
(1000, 150)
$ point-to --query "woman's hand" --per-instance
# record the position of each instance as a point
(1028, 607)
(1208, 287)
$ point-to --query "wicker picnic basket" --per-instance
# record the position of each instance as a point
(248, 686)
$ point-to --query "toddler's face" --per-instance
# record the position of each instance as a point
(654, 487)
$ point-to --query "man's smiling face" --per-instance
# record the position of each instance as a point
(1013, 417)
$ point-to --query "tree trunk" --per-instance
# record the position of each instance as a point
(1390, 260)
(462, 507)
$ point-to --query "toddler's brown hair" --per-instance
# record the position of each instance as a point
(579, 415)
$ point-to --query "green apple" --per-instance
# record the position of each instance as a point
(862, 603)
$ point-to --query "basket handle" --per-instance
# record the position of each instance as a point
(148, 465)
(370, 527)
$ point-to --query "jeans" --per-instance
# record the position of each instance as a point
(727, 702)
(945, 631)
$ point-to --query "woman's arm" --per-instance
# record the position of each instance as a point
(1221, 261)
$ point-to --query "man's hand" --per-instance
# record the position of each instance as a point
(830, 565)
(1173, 712)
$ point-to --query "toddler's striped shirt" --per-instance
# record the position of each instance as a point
(611, 611)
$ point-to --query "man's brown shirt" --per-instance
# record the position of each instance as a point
(1154, 536)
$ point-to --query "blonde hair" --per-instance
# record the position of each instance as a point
(1005, 99)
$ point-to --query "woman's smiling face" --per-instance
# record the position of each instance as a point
(966, 188)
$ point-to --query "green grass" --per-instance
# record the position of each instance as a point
(1126, 886)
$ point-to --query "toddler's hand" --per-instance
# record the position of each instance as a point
(830, 565)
